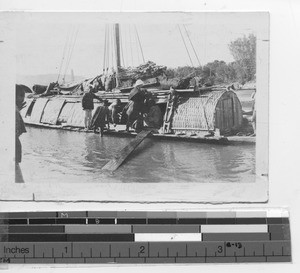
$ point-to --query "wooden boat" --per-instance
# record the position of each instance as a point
(208, 114)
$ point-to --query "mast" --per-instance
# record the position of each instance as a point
(117, 47)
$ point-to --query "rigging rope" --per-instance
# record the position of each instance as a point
(192, 45)
(71, 49)
(205, 34)
(108, 48)
(63, 56)
(130, 46)
(112, 47)
(126, 49)
(104, 57)
(137, 35)
(137, 50)
(68, 53)
(185, 45)
(121, 46)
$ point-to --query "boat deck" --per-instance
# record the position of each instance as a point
(120, 131)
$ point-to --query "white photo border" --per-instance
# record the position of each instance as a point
(139, 192)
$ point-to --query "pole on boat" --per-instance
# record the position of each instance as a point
(117, 47)
(118, 160)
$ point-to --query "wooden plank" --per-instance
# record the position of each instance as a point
(38, 110)
(52, 111)
(185, 90)
(190, 128)
(66, 112)
(117, 161)
(24, 110)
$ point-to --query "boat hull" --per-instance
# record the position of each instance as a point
(65, 113)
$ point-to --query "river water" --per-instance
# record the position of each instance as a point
(66, 156)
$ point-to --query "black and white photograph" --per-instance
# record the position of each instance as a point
(138, 107)
(151, 133)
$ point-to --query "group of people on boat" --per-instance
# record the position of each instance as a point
(140, 111)
(106, 82)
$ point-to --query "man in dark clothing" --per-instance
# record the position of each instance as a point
(136, 106)
(101, 118)
(88, 106)
(137, 94)
(20, 129)
(154, 115)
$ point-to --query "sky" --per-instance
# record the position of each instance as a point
(41, 38)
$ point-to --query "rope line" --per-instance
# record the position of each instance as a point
(104, 55)
(72, 46)
(137, 49)
(185, 46)
(130, 46)
(126, 49)
(121, 46)
(112, 47)
(63, 56)
(108, 48)
(187, 34)
(137, 35)
(68, 53)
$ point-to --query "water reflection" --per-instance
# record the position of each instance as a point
(77, 157)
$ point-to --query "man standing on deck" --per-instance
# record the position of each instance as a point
(136, 108)
(88, 106)
(137, 94)
(20, 129)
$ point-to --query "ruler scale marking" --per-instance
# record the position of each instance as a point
(223, 237)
